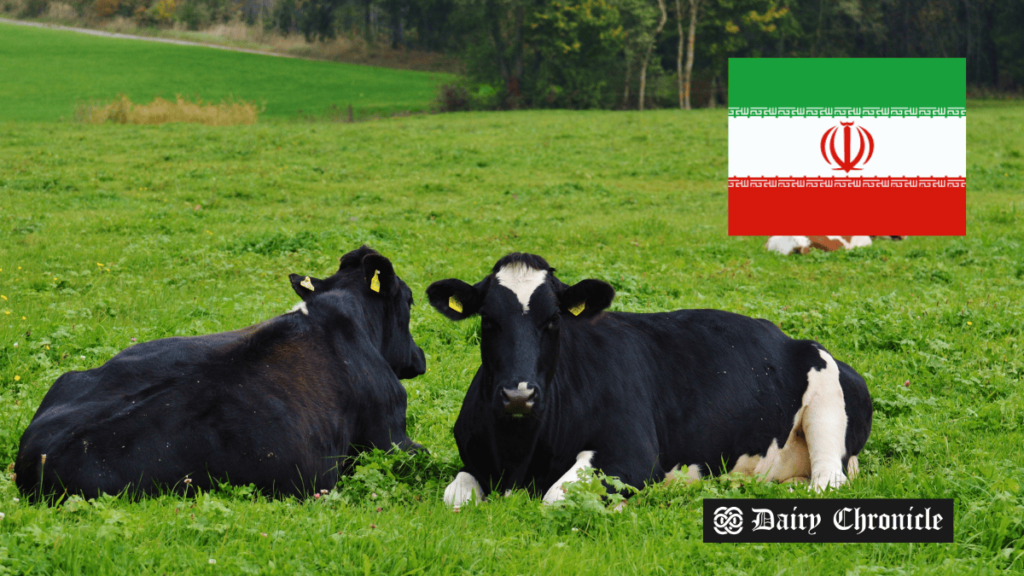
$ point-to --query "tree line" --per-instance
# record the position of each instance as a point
(629, 53)
(637, 53)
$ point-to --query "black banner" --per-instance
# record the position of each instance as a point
(847, 520)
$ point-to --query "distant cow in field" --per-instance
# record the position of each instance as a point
(786, 245)
(564, 385)
(280, 404)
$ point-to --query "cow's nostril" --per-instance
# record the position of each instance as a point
(518, 401)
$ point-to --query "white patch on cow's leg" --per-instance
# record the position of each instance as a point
(779, 464)
(852, 467)
(746, 464)
(557, 492)
(824, 424)
(522, 281)
(300, 307)
(689, 476)
(859, 241)
(463, 489)
(789, 461)
(787, 245)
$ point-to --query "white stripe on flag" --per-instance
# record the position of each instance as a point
(792, 146)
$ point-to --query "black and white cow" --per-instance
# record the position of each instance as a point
(564, 385)
(280, 404)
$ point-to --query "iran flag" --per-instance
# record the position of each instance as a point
(858, 146)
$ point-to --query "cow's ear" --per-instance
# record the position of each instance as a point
(587, 298)
(454, 298)
(306, 286)
(378, 273)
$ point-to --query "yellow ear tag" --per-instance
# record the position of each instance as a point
(307, 284)
(375, 282)
(455, 304)
(577, 309)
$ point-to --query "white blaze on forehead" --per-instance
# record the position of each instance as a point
(521, 280)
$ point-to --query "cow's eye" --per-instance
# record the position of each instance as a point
(552, 323)
(488, 324)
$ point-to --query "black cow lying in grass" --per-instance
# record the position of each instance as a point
(564, 385)
(279, 404)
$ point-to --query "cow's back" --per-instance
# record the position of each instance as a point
(247, 405)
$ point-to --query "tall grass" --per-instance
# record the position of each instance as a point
(197, 227)
(160, 111)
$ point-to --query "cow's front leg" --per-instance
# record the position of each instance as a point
(584, 460)
(463, 489)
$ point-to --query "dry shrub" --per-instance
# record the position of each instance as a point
(160, 111)
(106, 8)
(233, 30)
(61, 11)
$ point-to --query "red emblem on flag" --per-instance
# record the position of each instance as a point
(845, 163)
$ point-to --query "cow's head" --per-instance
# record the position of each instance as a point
(522, 308)
(366, 280)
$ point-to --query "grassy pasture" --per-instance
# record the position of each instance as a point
(109, 233)
(46, 74)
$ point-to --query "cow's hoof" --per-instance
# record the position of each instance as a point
(820, 482)
(463, 489)
(852, 468)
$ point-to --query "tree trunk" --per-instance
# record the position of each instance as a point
(713, 91)
(629, 69)
(517, 51)
(817, 32)
(689, 52)
(492, 14)
(397, 28)
(650, 48)
(369, 32)
(679, 56)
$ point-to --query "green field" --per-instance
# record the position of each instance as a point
(46, 74)
(111, 232)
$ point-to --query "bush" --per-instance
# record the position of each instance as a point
(193, 14)
(159, 13)
(105, 8)
(35, 8)
(588, 504)
(462, 95)
(453, 98)
(577, 43)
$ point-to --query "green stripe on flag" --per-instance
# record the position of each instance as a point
(902, 83)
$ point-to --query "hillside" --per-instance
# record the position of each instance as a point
(48, 73)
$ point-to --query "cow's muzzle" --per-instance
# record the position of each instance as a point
(518, 401)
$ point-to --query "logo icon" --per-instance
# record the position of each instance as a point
(728, 520)
(845, 163)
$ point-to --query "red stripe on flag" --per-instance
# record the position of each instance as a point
(848, 206)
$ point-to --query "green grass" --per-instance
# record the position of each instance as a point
(46, 74)
(196, 229)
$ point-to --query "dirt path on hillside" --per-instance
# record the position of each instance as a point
(145, 38)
